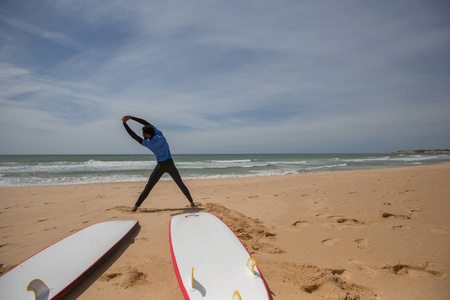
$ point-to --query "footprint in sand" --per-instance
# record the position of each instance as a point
(108, 277)
(413, 271)
(387, 215)
(362, 244)
(415, 210)
(329, 242)
(300, 224)
(406, 191)
(335, 216)
(127, 279)
(364, 268)
(349, 221)
(400, 227)
(52, 228)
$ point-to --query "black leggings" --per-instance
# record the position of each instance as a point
(161, 168)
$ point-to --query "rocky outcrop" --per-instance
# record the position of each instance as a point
(435, 151)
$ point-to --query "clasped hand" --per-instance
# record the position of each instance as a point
(126, 118)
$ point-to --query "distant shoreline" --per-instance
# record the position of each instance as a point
(436, 151)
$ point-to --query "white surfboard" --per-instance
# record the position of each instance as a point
(211, 262)
(55, 270)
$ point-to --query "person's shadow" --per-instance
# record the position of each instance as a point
(175, 211)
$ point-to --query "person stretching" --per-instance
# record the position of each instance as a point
(157, 143)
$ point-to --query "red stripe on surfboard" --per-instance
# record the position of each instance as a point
(175, 265)
(259, 271)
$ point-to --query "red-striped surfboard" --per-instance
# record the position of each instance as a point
(52, 272)
(210, 262)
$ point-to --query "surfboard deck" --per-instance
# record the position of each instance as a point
(52, 272)
(210, 262)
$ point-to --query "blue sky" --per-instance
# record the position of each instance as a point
(225, 76)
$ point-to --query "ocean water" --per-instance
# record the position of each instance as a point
(29, 170)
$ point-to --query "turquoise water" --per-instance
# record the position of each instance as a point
(26, 170)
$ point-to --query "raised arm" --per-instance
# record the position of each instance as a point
(131, 132)
(142, 121)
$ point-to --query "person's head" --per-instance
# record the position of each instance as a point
(148, 132)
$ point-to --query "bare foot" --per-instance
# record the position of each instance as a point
(134, 209)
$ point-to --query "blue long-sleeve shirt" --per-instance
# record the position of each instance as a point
(157, 144)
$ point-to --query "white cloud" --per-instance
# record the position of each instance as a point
(31, 29)
(227, 77)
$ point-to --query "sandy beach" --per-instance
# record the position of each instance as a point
(368, 234)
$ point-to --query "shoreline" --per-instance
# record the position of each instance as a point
(226, 178)
(368, 234)
(68, 170)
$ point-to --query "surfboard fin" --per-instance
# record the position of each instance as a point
(236, 296)
(40, 289)
(192, 280)
(251, 264)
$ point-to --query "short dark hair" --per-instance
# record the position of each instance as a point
(148, 129)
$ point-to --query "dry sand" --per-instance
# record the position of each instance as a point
(370, 234)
